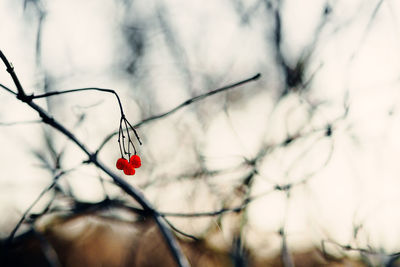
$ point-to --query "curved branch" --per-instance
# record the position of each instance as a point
(81, 90)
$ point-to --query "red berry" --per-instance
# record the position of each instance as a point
(129, 170)
(135, 161)
(121, 163)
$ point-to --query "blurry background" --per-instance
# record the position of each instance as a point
(313, 143)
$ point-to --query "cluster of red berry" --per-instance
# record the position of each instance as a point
(129, 166)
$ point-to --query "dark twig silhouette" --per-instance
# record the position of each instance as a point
(183, 104)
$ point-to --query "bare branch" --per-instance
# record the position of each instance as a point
(7, 89)
(186, 103)
(92, 158)
(10, 69)
(82, 90)
(173, 227)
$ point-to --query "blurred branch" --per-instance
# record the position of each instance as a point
(48, 250)
(236, 209)
(367, 28)
(388, 260)
(206, 214)
(287, 259)
(25, 214)
(327, 131)
(351, 248)
(19, 122)
(173, 227)
(323, 132)
(245, 13)
(78, 208)
(176, 50)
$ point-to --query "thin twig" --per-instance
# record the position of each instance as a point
(173, 227)
(204, 214)
(197, 98)
(10, 69)
(53, 93)
(19, 122)
(349, 248)
(236, 209)
(187, 102)
(7, 89)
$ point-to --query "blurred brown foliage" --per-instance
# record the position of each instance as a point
(92, 240)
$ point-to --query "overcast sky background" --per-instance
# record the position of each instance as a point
(356, 60)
